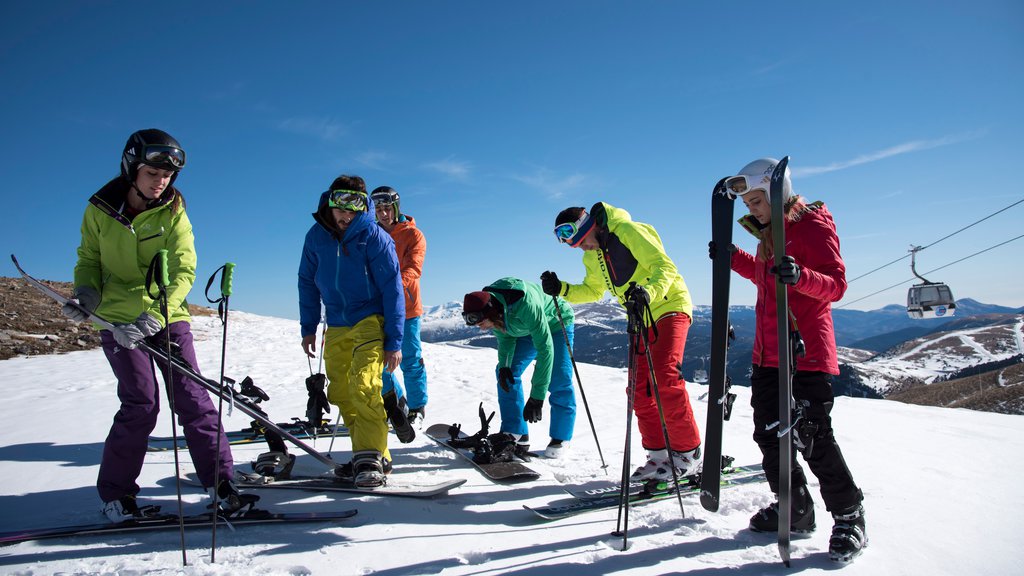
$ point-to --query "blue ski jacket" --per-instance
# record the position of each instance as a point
(354, 273)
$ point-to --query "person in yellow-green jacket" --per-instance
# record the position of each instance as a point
(528, 326)
(126, 223)
(627, 259)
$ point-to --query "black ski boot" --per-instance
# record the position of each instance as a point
(230, 501)
(398, 414)
(801, 514)
(849, 535)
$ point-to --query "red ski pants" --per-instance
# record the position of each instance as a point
(667, 356)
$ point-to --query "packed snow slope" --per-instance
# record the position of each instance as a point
(942, 486)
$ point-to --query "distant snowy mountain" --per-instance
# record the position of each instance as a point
(881, 351)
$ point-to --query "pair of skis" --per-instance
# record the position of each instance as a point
(721, 233)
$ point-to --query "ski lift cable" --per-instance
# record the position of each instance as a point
(845, 304)
(936, 242)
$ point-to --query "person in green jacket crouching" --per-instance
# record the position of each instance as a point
(528, 327)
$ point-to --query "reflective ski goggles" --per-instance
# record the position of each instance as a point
(350, 200)
(387, 198)
(474, 318)
(572, 233)
(161, 156)
(740, 185)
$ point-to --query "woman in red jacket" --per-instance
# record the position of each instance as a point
(816, 275)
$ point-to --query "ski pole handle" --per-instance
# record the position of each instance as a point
(225, 279)
(162, 279)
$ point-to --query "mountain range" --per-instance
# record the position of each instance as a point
(882, 351)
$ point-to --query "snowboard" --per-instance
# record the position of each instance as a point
(576, 506)
(171, 522)
(249, 436)
(505, 472)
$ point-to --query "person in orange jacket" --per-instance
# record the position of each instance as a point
(411, 246)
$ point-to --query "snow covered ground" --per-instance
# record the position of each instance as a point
(942, 486)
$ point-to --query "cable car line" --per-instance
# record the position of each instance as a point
(845, 304)
(936, 242)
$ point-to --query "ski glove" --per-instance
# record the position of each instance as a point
(505, 378)
(788, 271)
(550, 283)
(534, 410)
(713, 248)
(129, 335)
(317, 404)
(81, 304)
(637, 295)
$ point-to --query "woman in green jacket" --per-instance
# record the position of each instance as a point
(528, 326)
(126, 223)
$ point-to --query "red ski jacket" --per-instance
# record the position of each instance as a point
(811, 241)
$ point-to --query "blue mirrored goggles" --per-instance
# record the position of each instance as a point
(350, 200)
(168, 157)
(388, 198)
(572, 232)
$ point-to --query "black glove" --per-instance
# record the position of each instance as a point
(788, 271)
(81, 304)
(637, 295)
(550, 283)
(534, 410)
(506, 379)
(317, 404)
(713, 248)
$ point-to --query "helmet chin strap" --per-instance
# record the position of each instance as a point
(149, 203)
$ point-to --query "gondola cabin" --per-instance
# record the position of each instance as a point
(930, 300)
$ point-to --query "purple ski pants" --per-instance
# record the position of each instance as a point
(125, 448)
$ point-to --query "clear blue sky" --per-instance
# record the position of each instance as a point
(489, 118)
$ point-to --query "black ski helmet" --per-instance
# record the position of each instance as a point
(386, 195)
(151, 147)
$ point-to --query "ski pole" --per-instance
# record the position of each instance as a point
(157, 273)
(622, 522)
(228, 270)
(579, 381)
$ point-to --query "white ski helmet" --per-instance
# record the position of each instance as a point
(758, 176)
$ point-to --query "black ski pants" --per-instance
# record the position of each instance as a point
(812, 435)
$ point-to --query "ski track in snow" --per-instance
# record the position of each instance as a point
(920, 469)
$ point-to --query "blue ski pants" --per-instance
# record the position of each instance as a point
(561, 396)
(414, 373)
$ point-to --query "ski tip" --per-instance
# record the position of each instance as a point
(708, 501)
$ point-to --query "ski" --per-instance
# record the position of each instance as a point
(603, 488)
(247, 406)
(171, 522)
(722, 205)
(297, 428)
(785, 359)
(396, 484)
(580, 505)
(495, 471)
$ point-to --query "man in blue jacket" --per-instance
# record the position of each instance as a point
(349, 264)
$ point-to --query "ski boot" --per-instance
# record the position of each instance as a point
(556, 448)
(849, 535)
(801, 515)
(126, 508)
(368, 468)
(398, 414)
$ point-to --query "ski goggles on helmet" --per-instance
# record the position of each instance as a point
(350, 200)
(738, 186)
(161, 156)
(572, 233)
(385, 197)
